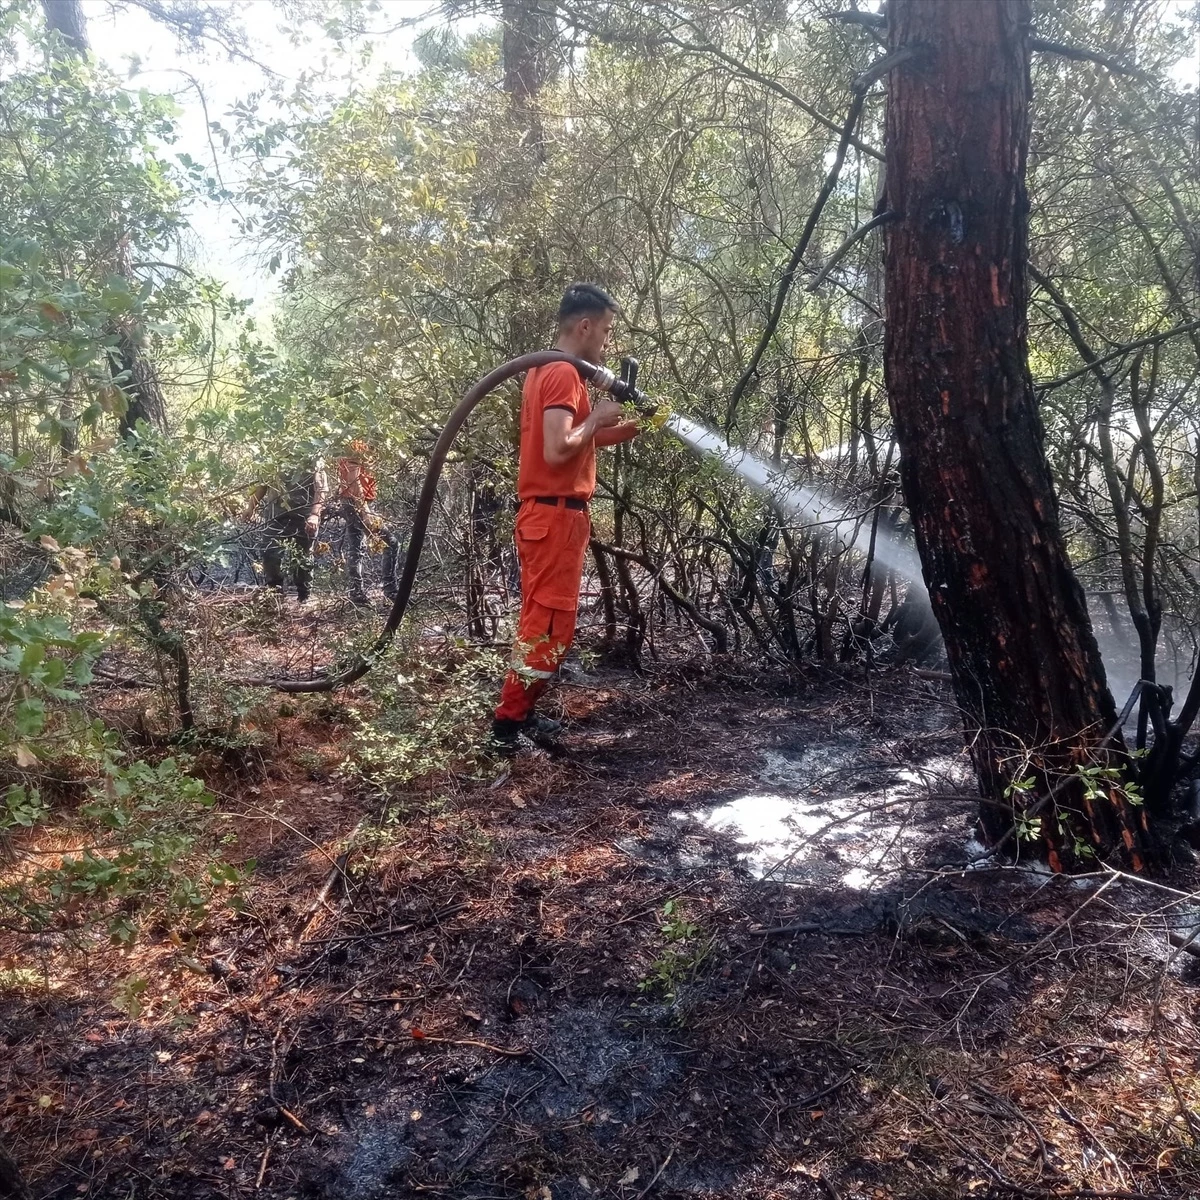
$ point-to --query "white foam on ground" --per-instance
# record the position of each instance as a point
(809, 826)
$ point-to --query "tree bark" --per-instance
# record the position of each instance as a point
(1025, 664)
(66, 17)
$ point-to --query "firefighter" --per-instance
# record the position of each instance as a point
(292, 508)
(356, 493)
(560, 431)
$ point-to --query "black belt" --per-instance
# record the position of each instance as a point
(566, 501)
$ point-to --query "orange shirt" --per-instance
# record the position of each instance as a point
(366, 481)
(557, 385)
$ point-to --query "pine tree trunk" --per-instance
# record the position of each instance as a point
(1025, 663)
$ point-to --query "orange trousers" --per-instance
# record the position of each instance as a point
(552, 542)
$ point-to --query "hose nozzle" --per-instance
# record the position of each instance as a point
(629, 372)
(624, 387)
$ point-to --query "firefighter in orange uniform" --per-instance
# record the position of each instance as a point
(356, 494)
(560, 430)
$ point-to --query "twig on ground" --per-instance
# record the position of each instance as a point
(266, 1157)
(392, 931)
(478, 1143)
(515, 1052)
(809, 927)
(655, 1177)
(389, 999)
(293, 1119)
(1066, 921)
(336, 872)
(809, 1101)
(551, 1064)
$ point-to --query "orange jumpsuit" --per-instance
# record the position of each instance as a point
(553, 528)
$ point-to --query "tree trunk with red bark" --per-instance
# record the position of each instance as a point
(1025, 664)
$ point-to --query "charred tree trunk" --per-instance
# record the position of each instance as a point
(1025, 663)
(607, 594)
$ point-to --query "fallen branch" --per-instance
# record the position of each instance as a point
(336, 872)
(514, 1052)
(808, 927)
(478, 1143)
(392, 931)
(123, 681)
(552, 1065)
(266, 1157)
(293, 1119)
(394, 998)
(1186, 944)
(809, 1101)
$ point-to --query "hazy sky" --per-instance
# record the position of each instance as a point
(165, 66)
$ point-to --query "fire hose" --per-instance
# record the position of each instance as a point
(622, 387)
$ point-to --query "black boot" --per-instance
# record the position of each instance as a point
(507, 737)
(535, 724)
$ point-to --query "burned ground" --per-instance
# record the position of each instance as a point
(567, 978)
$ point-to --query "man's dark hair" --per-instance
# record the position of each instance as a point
(585, 300)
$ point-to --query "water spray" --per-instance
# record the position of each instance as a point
(809, 504)
(812, 506)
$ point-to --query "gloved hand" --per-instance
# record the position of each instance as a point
(658, 418)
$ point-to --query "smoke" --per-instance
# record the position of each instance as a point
(1120, 652)
(817, 507)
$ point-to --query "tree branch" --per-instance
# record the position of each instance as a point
(878, 21)
(719, 633)
(866, 19)
(789, 273)
(857, 236)
(882, 66)
(1128, 348)
(668, 38)
(1079, 54)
